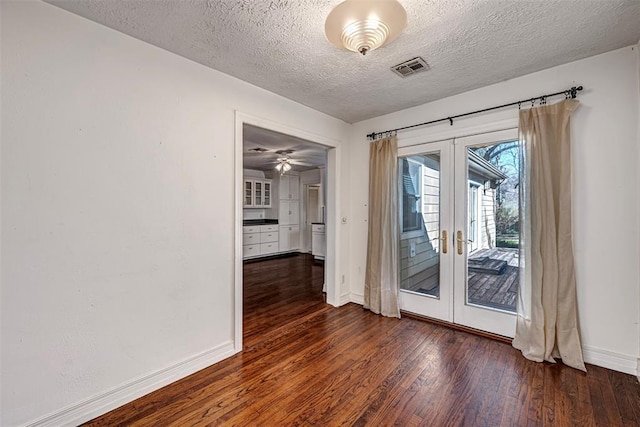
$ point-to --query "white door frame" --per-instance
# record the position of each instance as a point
(332, 177)
(491, 320)
(441, 307)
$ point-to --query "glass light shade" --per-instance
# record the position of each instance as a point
(283, 166)
(365, 25)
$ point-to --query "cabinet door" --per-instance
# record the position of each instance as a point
(294, 187)
(258, 193)
(248, 193)
(266, 191)
(283, 213)
(294, 213)
(284, 238)
(294, 237)
(289, 238)
(284, 187)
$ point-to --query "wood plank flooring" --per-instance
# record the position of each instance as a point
(306, 363)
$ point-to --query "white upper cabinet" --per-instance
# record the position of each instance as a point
(289, 187)
(257, 193)
(266, 195)
(248, 193)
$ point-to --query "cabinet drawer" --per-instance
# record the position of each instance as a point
(317, 228)
(251, 229)
(250, 238)
(268, 237)
(268, 248)
(250, 250)
(270, 227)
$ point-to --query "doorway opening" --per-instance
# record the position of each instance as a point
(284, 184)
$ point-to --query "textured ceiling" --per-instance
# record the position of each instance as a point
(279, 45)
(306, 155)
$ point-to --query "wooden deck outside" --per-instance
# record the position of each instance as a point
(489, 289)
(495, 290)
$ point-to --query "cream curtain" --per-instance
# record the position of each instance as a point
(381, 278)
(547, 324)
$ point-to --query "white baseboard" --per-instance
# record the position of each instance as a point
(345, 299)
(357, 298)
(610, 360)
(90, 408)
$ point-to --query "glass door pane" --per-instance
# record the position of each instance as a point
(494, 211)
(248, 193)
(258, 193)
(424, 177)
(420, 224)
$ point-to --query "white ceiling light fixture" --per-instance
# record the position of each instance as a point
(365, 25)
(283, 165)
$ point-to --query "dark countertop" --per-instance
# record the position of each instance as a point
(317, 223)
(259, 221)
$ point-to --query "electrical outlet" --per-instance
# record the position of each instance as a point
(412, 250)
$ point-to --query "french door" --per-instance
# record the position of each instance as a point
(459, 230)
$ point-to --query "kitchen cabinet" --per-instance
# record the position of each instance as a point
(289, 187)
(257, 193)
(289, 238)
(318, 241)
(260, 240)
(289, 212)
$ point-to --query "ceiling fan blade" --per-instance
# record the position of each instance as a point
(300, 163)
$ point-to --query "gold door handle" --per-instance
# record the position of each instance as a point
(444, 239)
(460, 242)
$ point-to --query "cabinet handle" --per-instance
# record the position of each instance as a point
(445, 244)
(460, 242)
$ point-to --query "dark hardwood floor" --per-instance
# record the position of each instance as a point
(306, 363)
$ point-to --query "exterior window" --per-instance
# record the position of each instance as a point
(411, 185)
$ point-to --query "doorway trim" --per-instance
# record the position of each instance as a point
(332, 208)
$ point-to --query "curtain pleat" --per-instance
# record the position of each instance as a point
(547, 324)
(381, 277)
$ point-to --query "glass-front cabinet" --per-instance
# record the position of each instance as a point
(257, 193)
(248, 193)
(266, 194)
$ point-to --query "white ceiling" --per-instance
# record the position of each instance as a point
(310, 154)
(279, 45)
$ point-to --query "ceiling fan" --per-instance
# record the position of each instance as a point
(285, 162)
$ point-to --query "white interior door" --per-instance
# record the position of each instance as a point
(459, 230)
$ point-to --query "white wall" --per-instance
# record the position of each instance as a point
(606, 205)
(117, 213)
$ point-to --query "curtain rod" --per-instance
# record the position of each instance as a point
(569, 93)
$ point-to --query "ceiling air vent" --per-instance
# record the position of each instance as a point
(410, 67)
